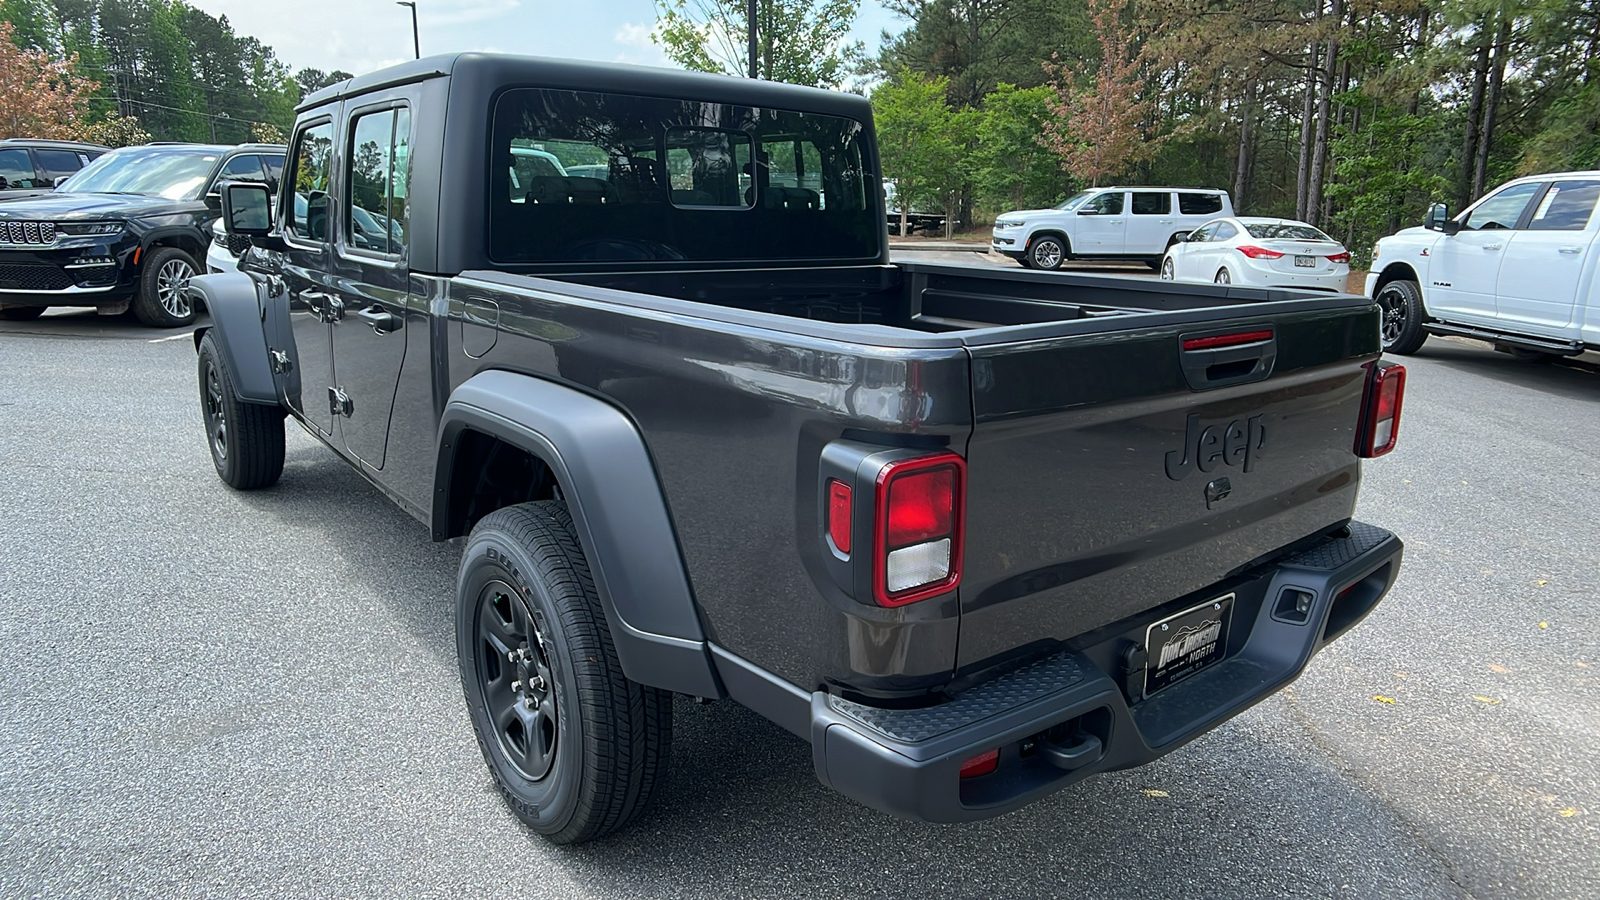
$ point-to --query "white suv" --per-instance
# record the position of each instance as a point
(1137, 223)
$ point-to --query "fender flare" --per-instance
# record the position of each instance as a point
(234, 302)
(609, 481)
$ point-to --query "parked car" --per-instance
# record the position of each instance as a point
(916, 219)
(1136, 223)
(972, 535)
(128, 230)
(1516, 269)
(1259, 252)
(32, 166)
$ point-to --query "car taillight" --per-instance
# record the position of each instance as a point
(1380, 426)
(1340, 257)
(917, 543)
(1259, 252)
(839, 515)
(982, 764)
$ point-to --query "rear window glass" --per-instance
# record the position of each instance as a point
(1566, 206)
(1199, 204)
(1262, 231)
(57, 163)
(1150, 203)
(581, 177)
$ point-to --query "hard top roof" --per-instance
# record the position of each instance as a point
(50, 144)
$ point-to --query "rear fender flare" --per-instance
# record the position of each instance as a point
(234, 301)
(607, 477)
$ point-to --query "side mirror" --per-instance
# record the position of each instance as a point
(60, 180)
(1088, 211)
(1438, 219)
(246, 209)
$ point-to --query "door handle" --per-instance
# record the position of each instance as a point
(382, 321)
(1166, 221)
(1570, 249)
(1492, 246)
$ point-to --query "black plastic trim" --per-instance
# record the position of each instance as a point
(234, 302)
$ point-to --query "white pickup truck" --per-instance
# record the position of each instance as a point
(1516, 269)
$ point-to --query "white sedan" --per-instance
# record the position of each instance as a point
(1259, 252)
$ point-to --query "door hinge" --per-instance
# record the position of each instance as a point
(339, 403)
(281, 363)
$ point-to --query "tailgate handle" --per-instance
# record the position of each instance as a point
(1236, 355)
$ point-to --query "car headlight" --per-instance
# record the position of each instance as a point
(1009, 223)
(87, 228)
(1376, 248)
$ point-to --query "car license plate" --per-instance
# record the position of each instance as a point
(1182, 645)
(1306, 262)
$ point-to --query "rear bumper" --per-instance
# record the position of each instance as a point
(1060, 719)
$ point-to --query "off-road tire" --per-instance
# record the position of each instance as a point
(246, 439)
(612, 737)
(1047, 252)
(1401, 313)
(158, 267)
(22, 313)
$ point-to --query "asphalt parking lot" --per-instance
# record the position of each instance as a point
(208, 693)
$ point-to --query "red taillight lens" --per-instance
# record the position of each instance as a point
(917, 548)
(839, 515)
(1340, 257)
(1259, 252)
(982, 764)
(1385, 392)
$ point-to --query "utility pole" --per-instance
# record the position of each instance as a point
(416, 42)
(751, 11)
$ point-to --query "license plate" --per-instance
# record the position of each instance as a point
(1183, 644)
(1306, 262)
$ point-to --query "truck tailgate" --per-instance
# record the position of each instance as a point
(1112, 472)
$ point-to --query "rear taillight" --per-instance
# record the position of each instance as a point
(982, 764)
(1259, 252)
(839, 515)
(917, 543)
(1340, 257)
(1380, 414)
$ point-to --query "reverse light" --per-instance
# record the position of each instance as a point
(1255, 252)
(839, 515)
(1380, 425)
(918, 528)
(982, 764)
(1340, 257)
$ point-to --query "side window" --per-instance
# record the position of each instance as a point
(1202, 234)
(57, 163)
(1223, 232)
(1501, 210)
(1109, 204)
(274, 167)
(704, 167)
(379, 163)
(245, 167)
(1199, 204)
(1567, 206)
(16, 170)
(1150, 203)
(313, 154)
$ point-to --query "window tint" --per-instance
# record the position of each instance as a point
(1566, 206)
(1202, 234)
(1199, 204)
(313, 153)
(1223, 231)
(580, 176)
(1150, 203)
(379, 169)
(1501, 210)
(16, 170)
(1263, 231)
(57, 163)
(1106, 204)
(245, 167)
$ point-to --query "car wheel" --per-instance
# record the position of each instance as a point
(1222, 277)
(246, 439)
(575, 747)
(1168, 269)
(22, 313)
(1400, 305)
(163, 300)
(1047, 252)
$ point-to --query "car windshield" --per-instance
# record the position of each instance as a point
(1293, 231)
(1073, 201)
(173, 173)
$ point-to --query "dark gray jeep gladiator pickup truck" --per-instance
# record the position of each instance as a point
(635, 335)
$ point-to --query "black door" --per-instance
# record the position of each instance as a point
(313, 307)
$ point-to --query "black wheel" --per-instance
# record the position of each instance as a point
(1222, 277)
(22, 313)
(1046, 252)
(1400, 304)
(1168, 270)
(163, 300)
(575, 747)
(246, 439)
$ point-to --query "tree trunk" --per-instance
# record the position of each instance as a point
(1300, 180)
(1497, 77)
(1480, 77)
(1319, 144)
(1241, 171)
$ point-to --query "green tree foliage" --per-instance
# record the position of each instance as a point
(1011, 165)
(922, 142)
(116, 130)
(797, 41)
(1096, 126)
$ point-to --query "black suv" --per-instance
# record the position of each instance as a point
(127, 230)
(30, 166)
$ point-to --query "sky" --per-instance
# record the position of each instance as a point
(359, 36)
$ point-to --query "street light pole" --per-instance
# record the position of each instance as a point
(416, 42)
(750, 10)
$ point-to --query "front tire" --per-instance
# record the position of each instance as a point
(22, 313)
(1169, 271)
(1400, 304)
(576, 748)
(246, 439)
(1047, 253)
(163, 300)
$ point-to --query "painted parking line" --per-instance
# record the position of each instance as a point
(172, 338)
